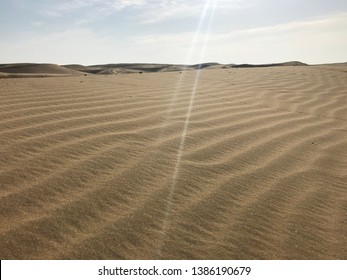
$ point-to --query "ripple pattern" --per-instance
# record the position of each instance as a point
(87, 163)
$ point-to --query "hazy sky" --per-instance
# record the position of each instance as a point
(226, 31)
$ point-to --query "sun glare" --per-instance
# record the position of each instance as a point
(205, 21)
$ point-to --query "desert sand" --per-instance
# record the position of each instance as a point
(221, 163)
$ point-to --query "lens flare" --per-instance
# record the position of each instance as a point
(206, 17)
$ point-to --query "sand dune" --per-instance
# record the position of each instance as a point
(127, 68)
(289, 63)
(225, 164)
(35, 69)
(20, 70)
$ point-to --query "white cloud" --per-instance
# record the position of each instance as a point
(158, 11)
(107, 4)
(312, 41)
(121, 4)
(72, 46)
(315, 41)
(98, 7)
(151, 11)
(315, 26)
(75, 4)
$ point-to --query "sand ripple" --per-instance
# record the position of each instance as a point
(94, 167)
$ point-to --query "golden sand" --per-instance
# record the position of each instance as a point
(239, 164)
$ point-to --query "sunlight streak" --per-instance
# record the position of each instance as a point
(172, 186)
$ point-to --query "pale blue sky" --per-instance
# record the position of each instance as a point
(226, 31)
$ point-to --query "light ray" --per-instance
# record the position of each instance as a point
(172, 186)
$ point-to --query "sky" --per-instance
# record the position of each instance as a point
(181, 32)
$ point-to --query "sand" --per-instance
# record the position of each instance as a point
(238, 164)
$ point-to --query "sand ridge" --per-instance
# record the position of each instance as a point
(87, 165)
(29, 70)
(26, 70)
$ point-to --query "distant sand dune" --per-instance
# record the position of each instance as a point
(88, 165)
(34, 69)
(28, 70)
